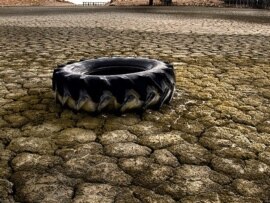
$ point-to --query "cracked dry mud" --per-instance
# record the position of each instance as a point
(212, 144)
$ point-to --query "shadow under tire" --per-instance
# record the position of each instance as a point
(114, 84)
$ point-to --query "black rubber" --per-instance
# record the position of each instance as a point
(117, 84)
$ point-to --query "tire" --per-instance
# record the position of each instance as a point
(114, 84)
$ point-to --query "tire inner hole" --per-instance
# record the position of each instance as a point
(115, 70)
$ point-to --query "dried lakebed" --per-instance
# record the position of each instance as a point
(212, 144)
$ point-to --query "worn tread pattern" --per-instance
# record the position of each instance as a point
(77, 87)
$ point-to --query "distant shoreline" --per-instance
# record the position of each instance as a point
(28, 3)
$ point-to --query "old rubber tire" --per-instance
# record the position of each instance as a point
(116, 83)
